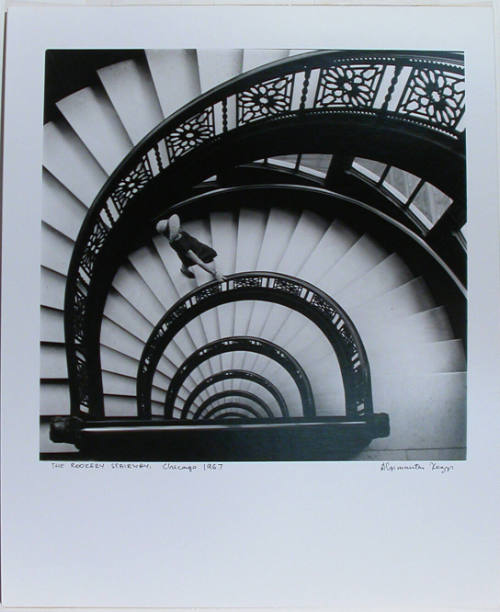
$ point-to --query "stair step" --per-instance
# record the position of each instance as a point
(51, 325)
(63, 151)
(60, 208)
(54, 398)
(116, 406)
(407, 299)
(150, 268)
(133, 95)
(251, 229)
(426, 411)
(432, 325)
(115, 362)
(56, 250)
(356, 262)
(175, 76)
(132, 289)
(118, 384)
(92, 116)
(218, 65)
(224, 239)
(53, 361)
(307, 234)
(53, 286)
(279, 231)
(135, 290)
(119, 310)
(113, 336)
(390, 273)
(334, 244)
(427, 357)
(224, 232)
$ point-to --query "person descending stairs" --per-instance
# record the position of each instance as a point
(191, 251)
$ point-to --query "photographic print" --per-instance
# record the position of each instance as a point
(250, 296)
(253, 255)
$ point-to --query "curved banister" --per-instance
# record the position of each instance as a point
(246, 344)
(232, 404)
(291, 292)
(361, 84)
(238, 374)
(258, 191)
(232, 393)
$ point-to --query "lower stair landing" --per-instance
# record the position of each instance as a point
(281, 439)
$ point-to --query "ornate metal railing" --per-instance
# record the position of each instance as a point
(233, 393)
(235, 374)
(234, 405)
(423, 90)
(294, 293)
(231, 415)
(245, 344)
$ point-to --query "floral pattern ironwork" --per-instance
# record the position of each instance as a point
(349, 86)
(191, 134)
(265, 100)
(434, 95)
(131, 184)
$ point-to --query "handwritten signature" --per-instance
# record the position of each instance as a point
(432, 466)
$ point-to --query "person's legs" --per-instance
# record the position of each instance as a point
(213, 270)
(187, 272)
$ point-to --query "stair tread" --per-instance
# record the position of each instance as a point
(179, 66)
(218, 65)
(56, 250)
(426, 411)
(130, 87)
(390, 273)
(62, 152)
(92, 116)
(60, 208)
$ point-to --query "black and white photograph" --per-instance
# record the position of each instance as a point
(254, 254)
(250, 289)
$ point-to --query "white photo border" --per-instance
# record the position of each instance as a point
(270, 534)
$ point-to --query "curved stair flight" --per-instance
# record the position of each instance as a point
(417, 361)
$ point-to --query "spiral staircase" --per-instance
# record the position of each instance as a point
(332, 187)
